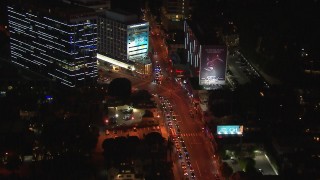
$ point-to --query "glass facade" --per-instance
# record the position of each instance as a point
(112, 38)
(61, 49)
(121, 41)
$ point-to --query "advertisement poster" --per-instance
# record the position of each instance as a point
(213, 65)
(229, 129)
(138, 41)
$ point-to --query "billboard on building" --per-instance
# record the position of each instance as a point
(229, 129)
(213, 65)
(138, 41)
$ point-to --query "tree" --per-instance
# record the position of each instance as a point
(148, 113)
(249, 164)
(219, 103)
(226, 170)
(120, 88)
(141, 96)
(154, 138)
(13, 162)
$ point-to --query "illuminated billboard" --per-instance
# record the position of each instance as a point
(213, 65)
(138, 41)
(229, 129)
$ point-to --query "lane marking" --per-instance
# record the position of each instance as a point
(198, 168)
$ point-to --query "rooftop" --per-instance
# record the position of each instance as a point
(54, 8)
(205, 31)
(122, 16)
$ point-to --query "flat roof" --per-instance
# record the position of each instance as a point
(205, 32)
(54, 8)
(122, 16)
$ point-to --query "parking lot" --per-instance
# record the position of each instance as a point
(128, 117)
(262, 163)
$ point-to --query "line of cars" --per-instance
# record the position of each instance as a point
(176, 138)
(158, 74)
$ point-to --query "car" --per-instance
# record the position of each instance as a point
(185, 151)
(216, 176)
(189, 163)
(174, 137)
(180, 155)
(183, 165)
(174, 118)
(233, 161)
(178, 149)
(185, 172)
(181, 140)
(191, 169)
(187, 157)
(183, 145)
(261, 171)
(177, 144)
(193, 176)
(127, 117)
(127, 111)
(107, 132)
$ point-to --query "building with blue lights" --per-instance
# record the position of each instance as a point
(57, 40)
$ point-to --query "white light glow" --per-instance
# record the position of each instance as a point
(115, 62)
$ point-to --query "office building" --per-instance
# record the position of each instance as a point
(174, 12)
(56, 40)
(206, 54)
(123, 40)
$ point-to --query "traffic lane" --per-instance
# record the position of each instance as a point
(202, 157)
(120, 74)
(197, 145)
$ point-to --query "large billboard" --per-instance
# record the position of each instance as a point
(213, 65)
(138, 41)
(229, 129)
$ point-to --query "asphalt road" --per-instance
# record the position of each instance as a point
(198, 146)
